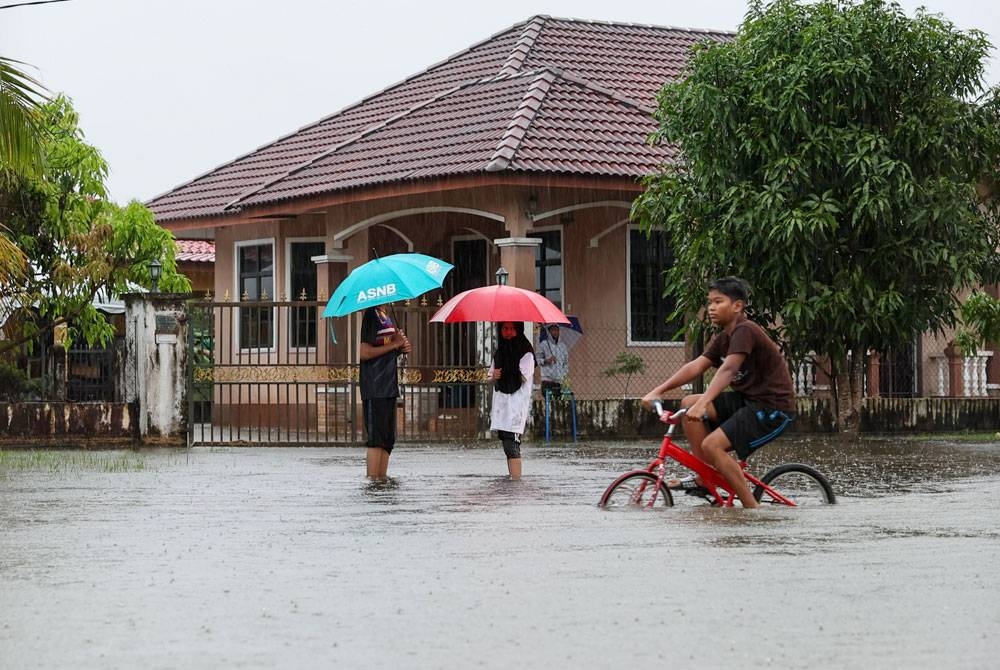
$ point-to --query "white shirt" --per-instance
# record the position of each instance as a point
(510, 410)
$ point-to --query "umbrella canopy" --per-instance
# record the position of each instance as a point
(384, 280)
(568, 334)
(499, 303)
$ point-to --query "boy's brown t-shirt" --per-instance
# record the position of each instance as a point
(764, 376)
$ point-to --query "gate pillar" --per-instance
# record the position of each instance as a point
(156, 348)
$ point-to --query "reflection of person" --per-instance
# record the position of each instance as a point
(751, 363)
(512, 369)
(381, 343)
(553, 357)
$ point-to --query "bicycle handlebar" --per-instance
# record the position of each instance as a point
(671, 418)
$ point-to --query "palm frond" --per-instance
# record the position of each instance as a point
(21, 97)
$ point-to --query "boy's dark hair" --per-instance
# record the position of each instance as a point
(733, 288)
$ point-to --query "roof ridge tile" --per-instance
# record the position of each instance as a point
(606, 91)
(523, 46)
(521, 121)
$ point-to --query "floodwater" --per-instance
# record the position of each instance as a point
(261, 558)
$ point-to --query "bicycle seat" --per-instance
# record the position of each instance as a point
(773, 417)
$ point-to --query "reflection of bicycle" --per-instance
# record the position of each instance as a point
(801, 485)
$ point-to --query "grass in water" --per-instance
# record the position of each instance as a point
(962, 436)
(32, 460)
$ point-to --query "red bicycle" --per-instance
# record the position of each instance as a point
(801, 485)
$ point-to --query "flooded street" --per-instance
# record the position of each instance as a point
(259, 558)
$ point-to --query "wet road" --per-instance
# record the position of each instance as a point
(258, 558)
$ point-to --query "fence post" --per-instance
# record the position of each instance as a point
(874, 374)
(158, 347)
(956, 387)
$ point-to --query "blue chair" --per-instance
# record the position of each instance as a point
(564, 393)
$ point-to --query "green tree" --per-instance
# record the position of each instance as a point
(830, 154)
(77, 241)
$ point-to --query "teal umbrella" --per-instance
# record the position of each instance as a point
(385, 280)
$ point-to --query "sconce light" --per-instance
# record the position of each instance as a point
(502, 276)
(532, 205)
(155, 271)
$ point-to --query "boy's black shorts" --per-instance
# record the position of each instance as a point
(380, 422)
(739, 420)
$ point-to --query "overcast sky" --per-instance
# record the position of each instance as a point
(169, 89)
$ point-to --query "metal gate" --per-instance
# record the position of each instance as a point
(269, 372)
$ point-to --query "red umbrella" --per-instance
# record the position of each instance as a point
(499, 303)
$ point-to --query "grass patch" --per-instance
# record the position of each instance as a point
(33, 460)
(973, 437)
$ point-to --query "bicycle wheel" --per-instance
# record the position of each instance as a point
(801, 484)
(635, 489)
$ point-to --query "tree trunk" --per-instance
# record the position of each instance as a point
(849, 392)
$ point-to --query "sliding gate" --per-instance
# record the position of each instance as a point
(271, 373)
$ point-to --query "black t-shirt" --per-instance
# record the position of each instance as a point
(764, 376)
(378, 375)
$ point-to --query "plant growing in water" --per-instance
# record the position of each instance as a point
(625, 366)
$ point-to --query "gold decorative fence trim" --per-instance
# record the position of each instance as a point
(276, 374)
(459, 375)
(320, 375)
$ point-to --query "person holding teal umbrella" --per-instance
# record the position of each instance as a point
(371, 287)
(381, 345)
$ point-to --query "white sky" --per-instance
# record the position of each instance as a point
(169, 89)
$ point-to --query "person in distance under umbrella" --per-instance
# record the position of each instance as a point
(511, 373)
(381, 344)
(553, 358)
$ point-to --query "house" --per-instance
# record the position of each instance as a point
(524, 150)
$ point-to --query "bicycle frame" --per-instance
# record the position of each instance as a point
(711, 478)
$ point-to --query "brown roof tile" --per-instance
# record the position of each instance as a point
(547, 95)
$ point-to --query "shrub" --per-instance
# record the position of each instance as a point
(625, 366)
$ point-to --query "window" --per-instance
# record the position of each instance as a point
(302, 286)
(256, 283)
(548, 265)
(648, 307)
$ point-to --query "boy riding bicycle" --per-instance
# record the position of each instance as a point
(763, 396)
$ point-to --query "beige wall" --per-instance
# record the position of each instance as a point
(595, 278)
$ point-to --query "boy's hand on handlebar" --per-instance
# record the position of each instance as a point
(648, 399)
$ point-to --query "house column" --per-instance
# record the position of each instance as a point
(517, 250)
(517, 256)
(333, 403)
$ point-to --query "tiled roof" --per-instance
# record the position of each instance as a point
(548, 95)
(197, 251)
